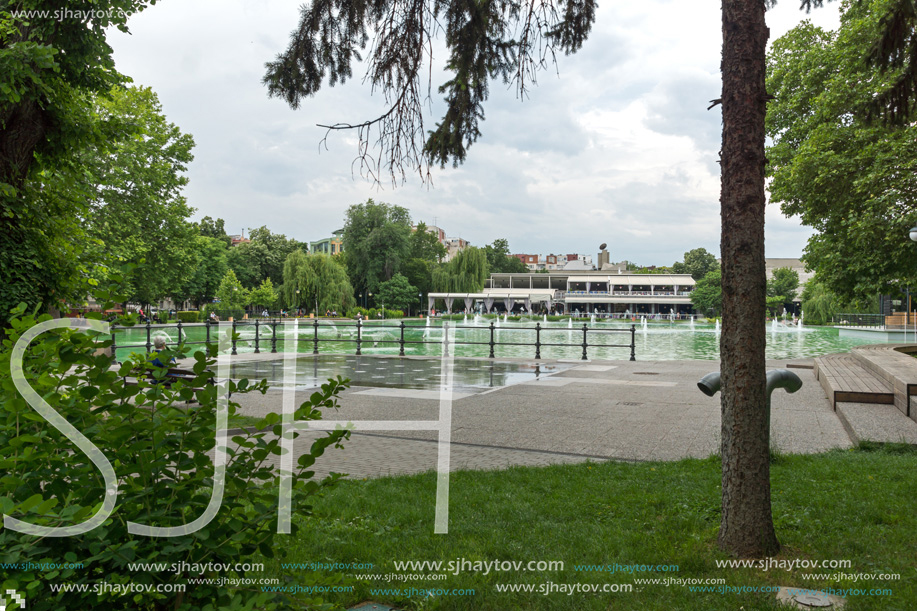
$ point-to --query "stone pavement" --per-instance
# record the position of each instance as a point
(598, 410)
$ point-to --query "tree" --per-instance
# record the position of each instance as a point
(209, 267)
(397, 293)
(136, 209)
(247, 260)
(853, 181)
(264, 296)
(232, 295)
(215, 229)
(425, 245)
(499, 261)
(708, 293)
(297, 277)
(818, 303)
(698, 263)
(276, 249)
(465, 273)
(783, 284)
(51, 67)
(316, 281)
(376, 242)
(512, 41)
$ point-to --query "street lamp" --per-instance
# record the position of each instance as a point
(297, 302)
(420, 301)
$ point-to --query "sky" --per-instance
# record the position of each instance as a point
(615, 144)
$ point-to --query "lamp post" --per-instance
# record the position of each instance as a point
(420, 302)
(297, 302)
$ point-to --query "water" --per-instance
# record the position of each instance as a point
(662, 340)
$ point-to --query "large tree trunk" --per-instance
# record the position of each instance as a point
(747, 528)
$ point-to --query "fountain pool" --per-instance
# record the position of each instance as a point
(655, 340)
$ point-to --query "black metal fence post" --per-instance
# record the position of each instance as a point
(257, 345)
(234, 337)
(401, 351)
(633, 342)
(273, 337)
(179, 331)
(585, 329)
(315, 337)
(359, 336)
(114, 343)
(491, 340)
(537, 340)
(149, 343)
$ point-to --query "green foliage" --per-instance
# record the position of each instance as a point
(376, 242)
(465, 273)
(158, 446)
(851, 180)
(214, 229)
(698, 263)
(818, 303)
(397, 293)
(426, 245)
(188, 316)
(232, 296)
(782, 285)
(419, 273)
(499, 260)
(272, 249)
(707, 296)
(137, 210)
(208, 268)
(374, 313)
(264, 296)
(318, 282)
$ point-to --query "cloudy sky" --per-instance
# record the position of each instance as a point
(614, 146)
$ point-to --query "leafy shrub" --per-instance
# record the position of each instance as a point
(157, 445)
(188, 316)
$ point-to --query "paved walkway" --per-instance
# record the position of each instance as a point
(599, 410)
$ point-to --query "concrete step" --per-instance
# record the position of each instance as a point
(871, 422)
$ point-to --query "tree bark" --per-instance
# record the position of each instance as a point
(747, 528)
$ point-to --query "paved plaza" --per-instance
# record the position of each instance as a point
(567, 412)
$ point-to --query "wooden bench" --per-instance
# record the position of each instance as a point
(846, 380)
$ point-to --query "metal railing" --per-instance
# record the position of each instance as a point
(266, 336)
(875, 321)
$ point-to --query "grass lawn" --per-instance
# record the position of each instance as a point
(857, 505)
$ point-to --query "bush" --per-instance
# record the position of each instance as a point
(188, 316)
(157, 447)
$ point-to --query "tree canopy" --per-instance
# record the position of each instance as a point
(707, 296)
(376, 242)
(499, 260)
(398, 294)
(852, 180)
(465, 273)
(697, 262)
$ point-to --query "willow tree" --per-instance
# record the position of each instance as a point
(512, 40)
(465, 273)
(316, 281)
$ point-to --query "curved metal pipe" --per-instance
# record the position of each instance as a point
(782, 378)
(710, 383)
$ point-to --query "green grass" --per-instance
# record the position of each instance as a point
(855, 505)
